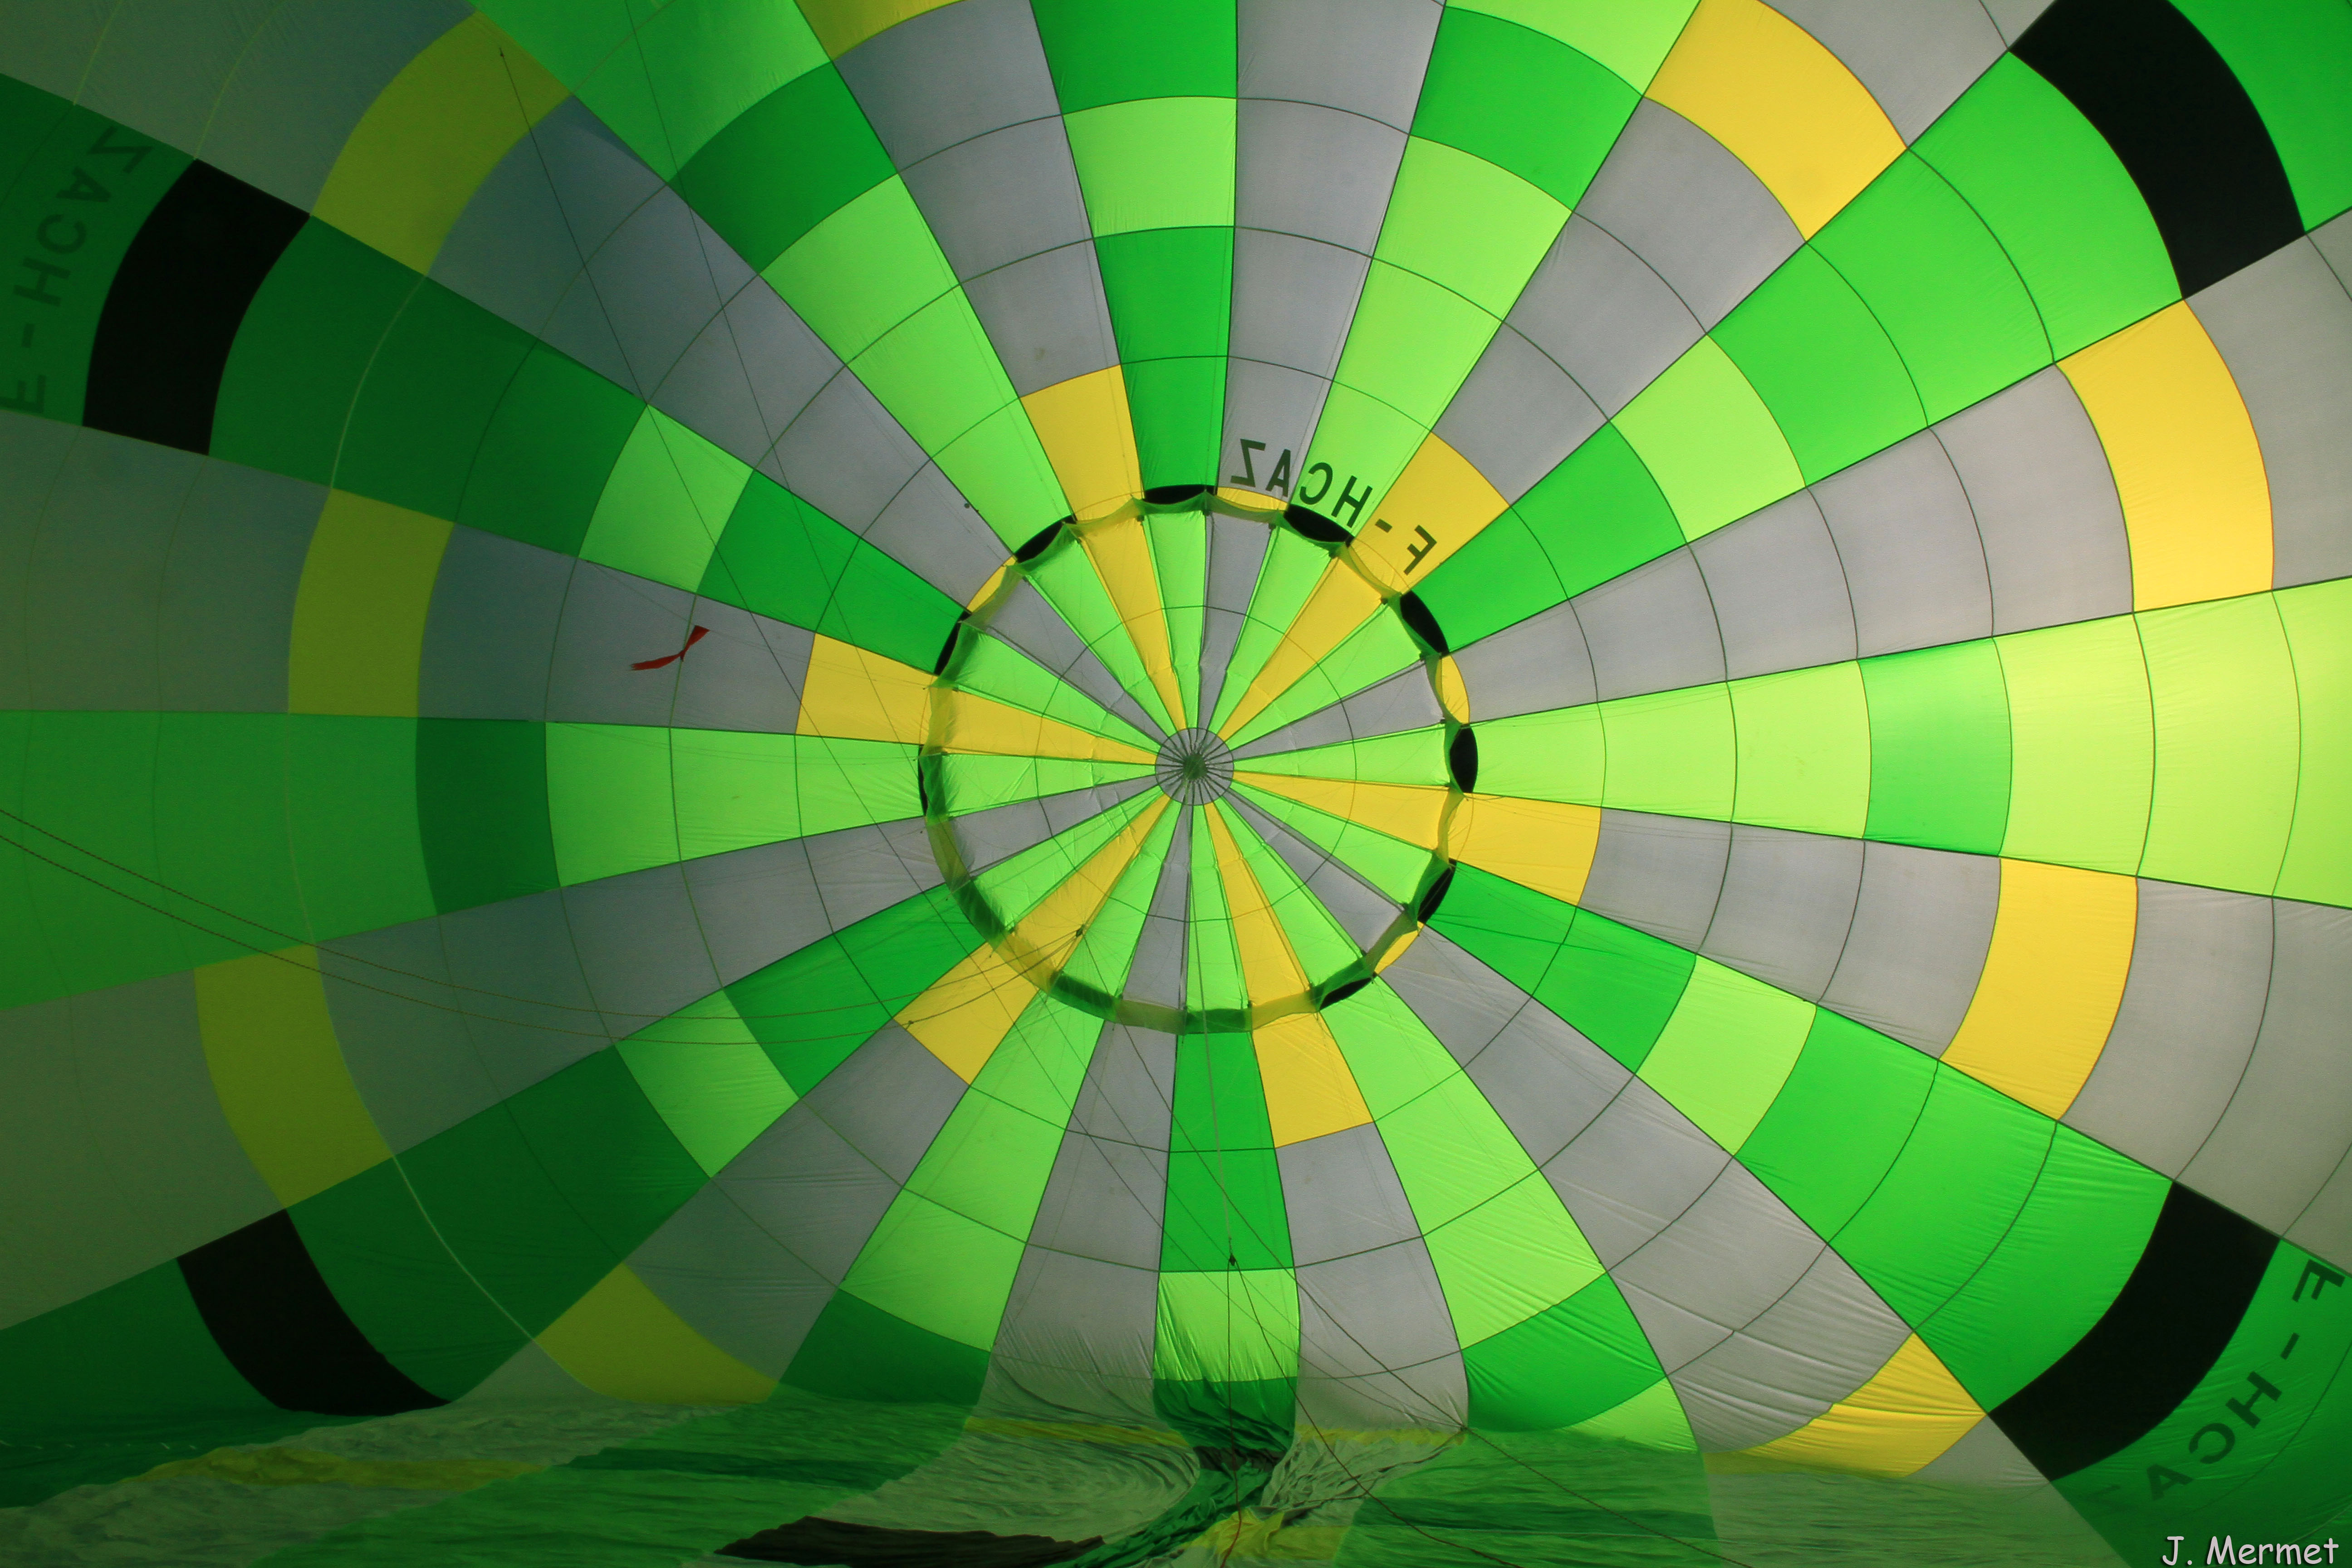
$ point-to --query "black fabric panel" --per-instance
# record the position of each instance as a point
(1461, 758)
(165, 335)
(278, 1324)
(2156, 1340)
(830, 1542)
(2170, 106)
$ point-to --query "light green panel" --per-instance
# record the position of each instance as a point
(1727, 1050)
(2222, 687)
(864, 269)
(1512, 1256)
(937, 372)
(1411, 344)
(1708, 441)
(1465, 223)
(1395, 1059)
(936, 1269)
(1361, 440)
(2318, 621)
(665, 504)
(710, 1079)
(1155, 162)
(1002, 471)
(1180, 564)
(1671, 751)
(2082, 744)
(621, 797)
(1413, 757)
(1805, 749)
(1631, 37)
(1559, 755)
(1235, 1326)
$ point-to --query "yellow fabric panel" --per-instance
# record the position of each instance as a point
(310, 1467)
(432, 137)
(1785, 106)
(965, 1013)
(359, 615)
(1122, 556)
(1438, 505)
(621, 1339)
(1411, 812)
(1538, 844)
(1902, 1418)
(1452, 692)
(842, 25)
(1270, 970)
(2197, 501)
(269, 1042)
(1308, 1089)
(2062, 944)
(1340, 603)
(852, 695)
(1088, 437)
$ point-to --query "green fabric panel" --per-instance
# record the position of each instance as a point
(1228, 1327)
(397, 1280)
(2221, 682)
(1106, 951)
(1155, 162)
(2082, 744)
(308, 339)
(1178, 410)
(1805, 749)
(665, 504)
(974, 783)
(1180, 560)
(2059, 201)
(2284, 1472)
(612, 799)
(994, 667)
(1586, 1355)
(2318, 621)
(1170, 296)
(785, 164)
(1518, 98)
(863, 270)
(1840, 1121)
(1598, 516)
(1727, 1050)
(2055, 1272)
(1322, 948)
(782, 557)
(707, 1077)
(1225, 1186)
(690, 68)
(1467, 226)
(428, 401)
(811, 1008)
(1213, 964)
(352, 814)
(1170, 292)
(1671, 751)
(542, 1194)
(1409, 347)
(858, 1351)
(1017, 885)
(1501, 578)
(135, 1353)
(76, 213)
(217, 795)
(1108, 51)
(543, 462)
(2293, 58)
(1632, 38)
(940, 377)
(1949, 1198)
(1939, 285)
(1939, 747)
(1823, 364)
(1707, 439)
(1615, 984)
